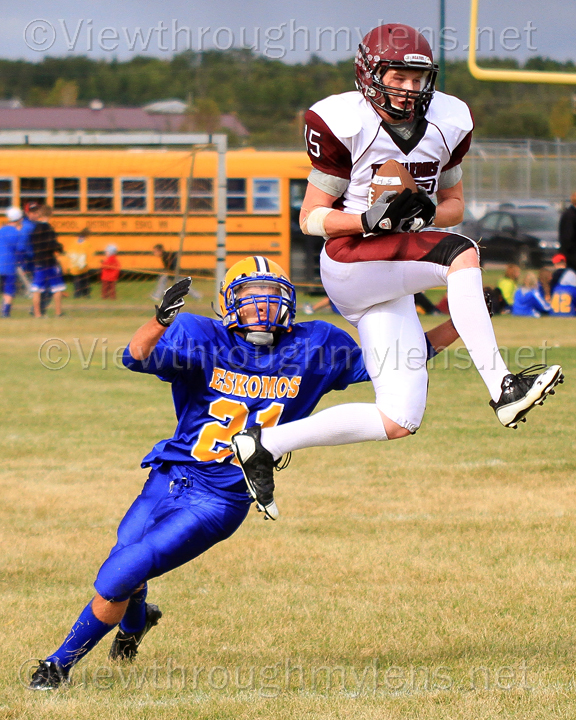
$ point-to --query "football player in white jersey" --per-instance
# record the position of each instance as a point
(377, 257)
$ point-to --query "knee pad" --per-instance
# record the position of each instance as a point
(124, 572)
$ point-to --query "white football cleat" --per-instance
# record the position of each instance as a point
(522, 392)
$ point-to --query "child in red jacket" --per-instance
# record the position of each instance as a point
(110, 273)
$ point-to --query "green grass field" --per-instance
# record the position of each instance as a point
(426, 578)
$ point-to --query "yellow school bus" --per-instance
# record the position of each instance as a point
(135, 198)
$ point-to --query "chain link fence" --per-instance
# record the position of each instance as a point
(497, 171)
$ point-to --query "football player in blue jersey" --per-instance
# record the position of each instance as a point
(254, 366)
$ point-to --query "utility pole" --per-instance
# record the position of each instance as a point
(442, 61)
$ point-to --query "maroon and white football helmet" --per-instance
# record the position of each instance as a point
(395, 46)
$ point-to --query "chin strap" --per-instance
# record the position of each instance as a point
(218, 315)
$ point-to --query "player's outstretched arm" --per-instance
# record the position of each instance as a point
(146, 337)
(442, 336)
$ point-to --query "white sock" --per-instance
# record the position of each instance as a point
(338, 425)
(472, 321)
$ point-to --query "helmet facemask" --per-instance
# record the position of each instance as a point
(261, 306)
(382, 95)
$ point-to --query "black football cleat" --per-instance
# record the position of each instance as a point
(48, 676)
(125, 645)
(522, 392)
(258, 467)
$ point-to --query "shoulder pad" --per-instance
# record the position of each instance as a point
(449, 111)
(342, 113)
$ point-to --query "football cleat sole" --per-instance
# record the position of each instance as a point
(544, 385)
(271, 510)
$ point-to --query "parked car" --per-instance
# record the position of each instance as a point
(527, 237)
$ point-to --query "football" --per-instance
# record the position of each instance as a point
(392, 175)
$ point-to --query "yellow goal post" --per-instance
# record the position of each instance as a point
(527, 76)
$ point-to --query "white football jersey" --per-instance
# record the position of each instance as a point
(346, 138)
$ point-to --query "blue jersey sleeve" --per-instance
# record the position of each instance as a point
(345, 359)
(431, 351)
(540, 303)
(176, 351)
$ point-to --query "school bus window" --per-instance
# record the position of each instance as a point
(5, 192)
(67, 194)
(32, 189)
(202, 194)
(236, 194)
(134, 194)
(166, 195)
(100, 194)
(265, 195)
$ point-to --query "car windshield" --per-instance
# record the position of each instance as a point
(529, 222)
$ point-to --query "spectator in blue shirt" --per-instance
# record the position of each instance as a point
(9, 240)
(528, 299)
(564, 296)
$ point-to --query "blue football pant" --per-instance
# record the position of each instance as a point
(171, 522)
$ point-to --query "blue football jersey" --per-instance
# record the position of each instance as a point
(9, 238)
(222, 384)
(563, 299)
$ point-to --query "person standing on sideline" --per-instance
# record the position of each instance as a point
(79, 255)
(168, 259)
(567, 233)
(9, 243)
(110, 273)
(25, 256)
(47, 271)
(25, 250)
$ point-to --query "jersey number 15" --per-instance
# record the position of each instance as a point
(312, 137)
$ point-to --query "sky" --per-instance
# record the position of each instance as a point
(289, 31)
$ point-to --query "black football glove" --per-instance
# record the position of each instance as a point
(172, 301)
(387, 212)
(420, 212)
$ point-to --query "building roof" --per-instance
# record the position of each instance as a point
(107, 119)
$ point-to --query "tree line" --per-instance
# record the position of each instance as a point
(270, 96)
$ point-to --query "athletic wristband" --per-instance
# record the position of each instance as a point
(314, 223)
